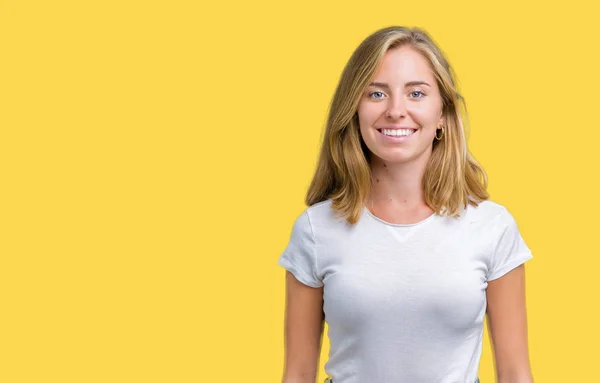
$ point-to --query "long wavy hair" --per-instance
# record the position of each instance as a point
(452, 179)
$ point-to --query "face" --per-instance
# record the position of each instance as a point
(401, 109)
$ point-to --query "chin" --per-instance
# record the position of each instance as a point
(395, 158)
(401, 155)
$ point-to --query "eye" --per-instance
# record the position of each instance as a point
(376, 93)
(417, 92)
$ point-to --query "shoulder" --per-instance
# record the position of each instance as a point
(491, 218)
(322, 213)
(316, 214)
(486, 212)
(322, 220)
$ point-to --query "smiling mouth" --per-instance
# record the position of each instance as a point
(396, 132)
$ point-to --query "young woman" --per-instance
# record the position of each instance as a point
(400, 250)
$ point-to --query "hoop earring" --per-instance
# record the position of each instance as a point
(440, 137)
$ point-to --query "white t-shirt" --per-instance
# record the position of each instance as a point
(404, 303)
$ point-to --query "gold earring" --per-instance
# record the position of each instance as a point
(440, 137)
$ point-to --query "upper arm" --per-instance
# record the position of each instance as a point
(507, 322)
(304, 318)
(303, 330)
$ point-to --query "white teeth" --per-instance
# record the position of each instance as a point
(397, 132)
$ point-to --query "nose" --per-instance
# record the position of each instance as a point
(396, 107)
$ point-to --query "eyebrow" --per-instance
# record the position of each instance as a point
(410, 83)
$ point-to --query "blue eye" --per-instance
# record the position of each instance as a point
(417, 91)
(376, 92)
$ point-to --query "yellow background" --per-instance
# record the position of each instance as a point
(154, 155)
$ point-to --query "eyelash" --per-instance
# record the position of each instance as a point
(416, 91)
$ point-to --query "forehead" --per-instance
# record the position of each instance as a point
(404, 64)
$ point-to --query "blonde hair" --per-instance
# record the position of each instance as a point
(452, 178)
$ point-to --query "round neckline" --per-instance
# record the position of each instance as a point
(399, 224)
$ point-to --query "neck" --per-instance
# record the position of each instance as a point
(398, 186)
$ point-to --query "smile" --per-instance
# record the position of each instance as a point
(397, 132)
(396, 135)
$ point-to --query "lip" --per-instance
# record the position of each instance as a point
(395, 127)
(395, 139)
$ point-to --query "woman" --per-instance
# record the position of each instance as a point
(400, 249)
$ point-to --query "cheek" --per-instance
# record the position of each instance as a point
(367, 115)
(425, 117)
(430, 108)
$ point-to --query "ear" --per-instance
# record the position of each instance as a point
(442, 121)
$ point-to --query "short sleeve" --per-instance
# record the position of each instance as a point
(300, 257)
(510, 249)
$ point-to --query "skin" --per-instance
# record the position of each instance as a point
(304, 321)
(507, 324)
(397, 197)
(397, 168)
